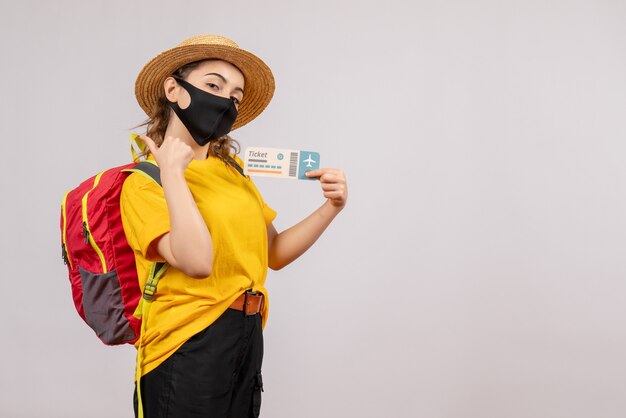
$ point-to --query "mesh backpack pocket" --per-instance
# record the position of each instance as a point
(104, 307)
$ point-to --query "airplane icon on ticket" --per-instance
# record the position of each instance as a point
(309, 161)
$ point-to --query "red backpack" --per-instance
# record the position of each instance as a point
(101, 264)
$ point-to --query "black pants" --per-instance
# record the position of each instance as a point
(215, 374)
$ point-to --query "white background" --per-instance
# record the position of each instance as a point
(478, 270)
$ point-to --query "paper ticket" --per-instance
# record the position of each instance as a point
(281, 163)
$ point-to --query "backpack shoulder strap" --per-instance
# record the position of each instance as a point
(149, 169)
(232, 162)
(156, 271)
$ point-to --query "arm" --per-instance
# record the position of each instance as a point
(290, 244)
(188, 245)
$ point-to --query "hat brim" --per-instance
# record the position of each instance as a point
(259, 81)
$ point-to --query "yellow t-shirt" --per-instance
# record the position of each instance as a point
(237, 218)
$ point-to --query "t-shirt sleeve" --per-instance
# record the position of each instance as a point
(269, 214)
(145, 216)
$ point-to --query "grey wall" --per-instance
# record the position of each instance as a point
(478, 270)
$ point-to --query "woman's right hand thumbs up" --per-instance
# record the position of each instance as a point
(173, 154)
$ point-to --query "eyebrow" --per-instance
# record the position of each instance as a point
(224, 80)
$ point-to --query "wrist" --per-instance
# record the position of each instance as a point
(333, 207)
(172, 171)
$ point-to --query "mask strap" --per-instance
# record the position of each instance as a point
(188, 86)
(181, 83)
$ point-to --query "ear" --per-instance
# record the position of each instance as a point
(171, 88)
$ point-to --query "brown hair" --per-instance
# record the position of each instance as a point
(159, 117)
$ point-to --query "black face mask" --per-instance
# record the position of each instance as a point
(208, 116)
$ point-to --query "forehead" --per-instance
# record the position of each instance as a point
(224, 68)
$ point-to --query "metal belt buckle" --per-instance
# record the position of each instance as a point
(246, 303)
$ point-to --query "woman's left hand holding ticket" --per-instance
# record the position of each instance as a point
(334, 185)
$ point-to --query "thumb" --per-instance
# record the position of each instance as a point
(149, 143)
(313, 173)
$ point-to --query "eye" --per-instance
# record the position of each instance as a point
(213, 86)
(236, 100)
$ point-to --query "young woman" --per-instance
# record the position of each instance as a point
(201, 347)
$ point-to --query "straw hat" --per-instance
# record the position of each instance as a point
(259, 81)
